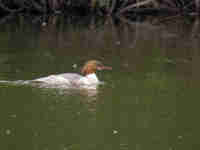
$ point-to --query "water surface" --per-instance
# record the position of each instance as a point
(149, 100)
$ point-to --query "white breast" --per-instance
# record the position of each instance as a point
(53, 79)
(88, 79)
(70, 80)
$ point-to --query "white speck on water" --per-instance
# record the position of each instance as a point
(115, 131)
(46, 148)
(123, 144)
(74, 66)
(51, 108)
(36, 134)
(180, 137)
(8, 131)
(137, 100)
(13, 116)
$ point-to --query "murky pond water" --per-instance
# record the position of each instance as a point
(149, 100)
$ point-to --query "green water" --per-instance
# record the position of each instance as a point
(150, 100)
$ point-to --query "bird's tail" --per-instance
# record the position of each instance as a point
(4, 81)
(17, 82)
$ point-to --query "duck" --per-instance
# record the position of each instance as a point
(87, 77)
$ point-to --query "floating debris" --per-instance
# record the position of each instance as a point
(115, 131)
(13, 116)
(170, 148)
(180, 137)
(8, 131)
(74, 66)
(65, 148)
(35, 134)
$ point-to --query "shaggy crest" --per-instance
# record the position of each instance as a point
(91, 67)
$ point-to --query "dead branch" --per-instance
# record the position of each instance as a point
(138, 4)
(37, 6)
(2, 6)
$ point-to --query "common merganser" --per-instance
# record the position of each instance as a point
(87, 79)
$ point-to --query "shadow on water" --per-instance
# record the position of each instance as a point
(149, 101)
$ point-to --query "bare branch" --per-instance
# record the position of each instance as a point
(138, 4)
(8, 9)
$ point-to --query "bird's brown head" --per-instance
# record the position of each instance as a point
(92, 66)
